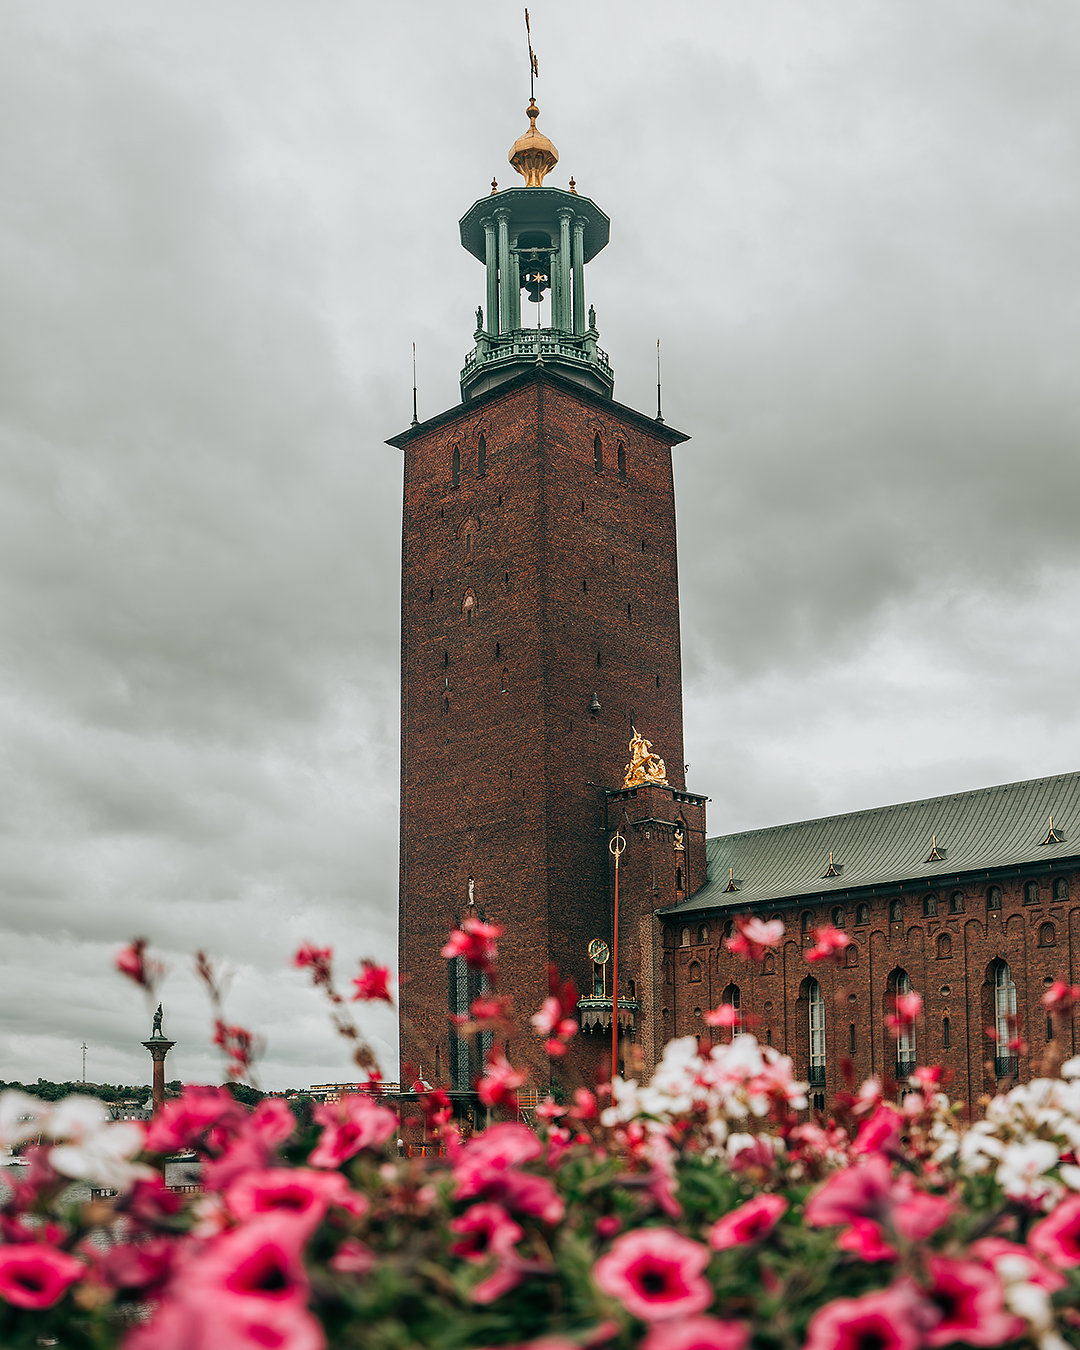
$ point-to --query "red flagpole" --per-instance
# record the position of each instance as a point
(616, 846)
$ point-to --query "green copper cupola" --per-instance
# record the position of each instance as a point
(536, 240)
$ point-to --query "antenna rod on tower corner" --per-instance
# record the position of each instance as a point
(415, 419)
(659, 414)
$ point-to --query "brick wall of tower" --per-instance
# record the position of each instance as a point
(503, 765)
(948, 956)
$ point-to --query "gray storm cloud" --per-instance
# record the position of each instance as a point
(853, 225)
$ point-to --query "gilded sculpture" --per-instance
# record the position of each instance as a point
(644, 766)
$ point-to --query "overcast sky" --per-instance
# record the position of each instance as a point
(854, 225)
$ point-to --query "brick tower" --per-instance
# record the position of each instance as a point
(540, 623)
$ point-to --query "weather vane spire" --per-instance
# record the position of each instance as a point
(533, 155)
(534, 69)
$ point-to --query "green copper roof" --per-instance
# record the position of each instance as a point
(971, 832)
(534, 207)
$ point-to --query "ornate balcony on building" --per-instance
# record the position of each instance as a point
(499, 358)
(596, 1014)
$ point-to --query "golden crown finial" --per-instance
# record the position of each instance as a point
(533, 155)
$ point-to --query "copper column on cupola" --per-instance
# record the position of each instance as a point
(159, 1047)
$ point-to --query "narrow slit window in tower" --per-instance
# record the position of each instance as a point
(455, 468)
(622, 462)
(598, 453)
(481, 456)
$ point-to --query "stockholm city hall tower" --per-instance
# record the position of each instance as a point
(540, 626)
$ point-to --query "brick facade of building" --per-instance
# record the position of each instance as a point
(540, 620)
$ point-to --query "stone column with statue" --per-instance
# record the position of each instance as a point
(159, 1047)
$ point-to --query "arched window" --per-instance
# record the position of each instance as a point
(1061, 888)
(468, 604)
(1004, 1018)
(703, 933)
(622, 462)
(944, 946)
(806, 920)
(694, 973)
(899, 982)
(684, 937)
(993, 898)
(929, 906)
(956, 902)
(669, 935)
(816, 1011)
(455, 466)
(481, 456)
(768, 967)
(896, 911)
(862, 914)
(445, 706)
(597, 452)
(836, 916)
(1031, 893)
(678, 878)
(1047, 935)
(506, 684)
(729, 928)
(946, 1032)
(851, 956)
(733, 995)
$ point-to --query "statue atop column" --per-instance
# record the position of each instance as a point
(157, 1034)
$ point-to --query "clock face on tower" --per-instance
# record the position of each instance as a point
(598, 952)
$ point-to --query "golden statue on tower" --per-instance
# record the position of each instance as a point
(644, 766)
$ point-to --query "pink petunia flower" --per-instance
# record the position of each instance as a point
(749, 1223)
(353, 1257)
(862, 1192)
(906, 1008)
(182, 1123)
(475, 941)
(889, 1319)
(1057, 1237)
(500, 1083)
(487, 1230)
(350, 1124)
(865, 1240)
(656, 1274)
(830, 943)
(372, 984)
(696, 1333)
(133, 962)
(880, 1133)
(35, 1275)
(754, 937)
(991, 1250)
(138, 1265)
(253, 1144)
(1061, 998)
(297, 1195)
(972, 1305)
(500, 1147)
(727, 1015)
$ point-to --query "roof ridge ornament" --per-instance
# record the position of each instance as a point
(936, 854)
(1055, 836)
(832, 870)
(731, 886)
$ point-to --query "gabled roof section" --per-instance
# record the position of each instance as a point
(917, 842)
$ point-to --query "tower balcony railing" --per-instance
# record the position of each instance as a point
(550, 343)
(596, 1012)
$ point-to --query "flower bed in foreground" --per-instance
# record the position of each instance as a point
(702, 1211)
